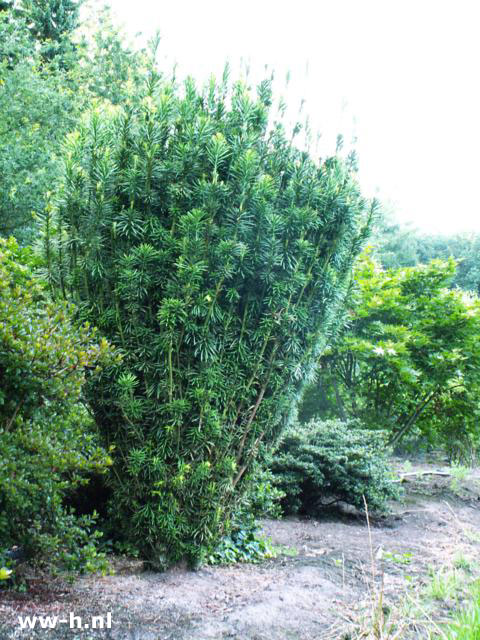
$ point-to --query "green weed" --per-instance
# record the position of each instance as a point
(466, 623)
(444, 585)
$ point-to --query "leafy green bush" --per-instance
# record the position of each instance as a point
(262, 498)
(48, 443)
(319, 463)
(245, 541)
(216, 255)
(408, 360)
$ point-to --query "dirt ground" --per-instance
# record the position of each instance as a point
(316, 589)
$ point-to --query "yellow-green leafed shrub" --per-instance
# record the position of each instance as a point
(47, 441)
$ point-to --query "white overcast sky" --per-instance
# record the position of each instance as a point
(402, 75)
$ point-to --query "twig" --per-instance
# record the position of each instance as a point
(372, 559)
(425, 473)
(404, 476)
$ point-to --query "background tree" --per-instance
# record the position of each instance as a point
(464, 248)
(35, 113)
(52, 24)
(216, 255)
(111, 66)
(5, 5)
(397, 245)
(42, 98)
(410, 357)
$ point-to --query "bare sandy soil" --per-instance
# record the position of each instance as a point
(316, 589)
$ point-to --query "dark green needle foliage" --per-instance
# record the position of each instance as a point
(321, 463)
(216, 255)
(51, 22)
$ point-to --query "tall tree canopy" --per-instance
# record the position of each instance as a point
(36, 111)
(42, 96)
(51, 19)
(402, 246)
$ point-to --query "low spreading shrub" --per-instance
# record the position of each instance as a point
(48, 444)
(323, 462)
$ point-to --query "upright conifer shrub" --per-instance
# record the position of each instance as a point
(216, 255)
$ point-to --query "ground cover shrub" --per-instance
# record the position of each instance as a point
(322, 462)
(216, 255)
(245, 541)
(48, 443)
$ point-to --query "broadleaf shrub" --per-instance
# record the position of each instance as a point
(322, 462)
(408, 360)
(48, 441)
(215, 254)
(244, 543)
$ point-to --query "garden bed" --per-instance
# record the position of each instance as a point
(320, 586)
